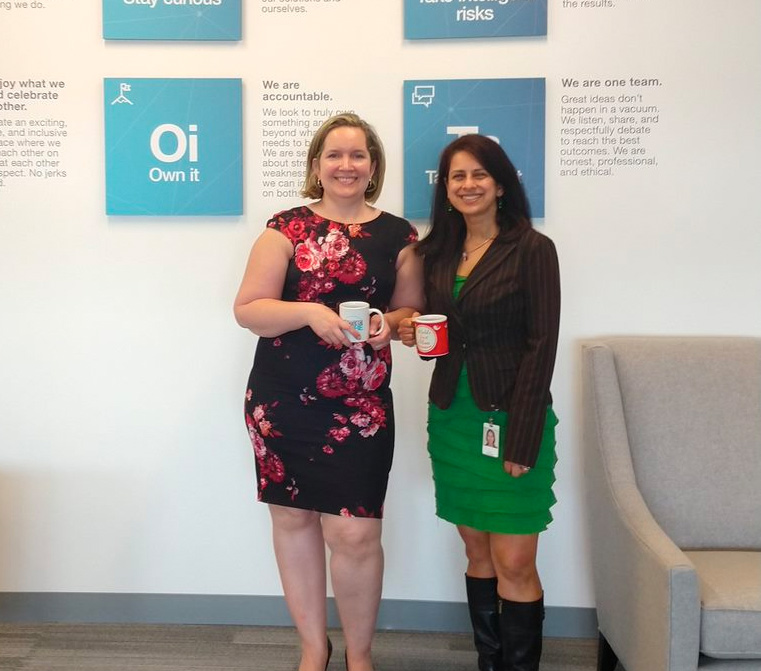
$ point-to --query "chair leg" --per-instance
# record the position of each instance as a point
(607, 660)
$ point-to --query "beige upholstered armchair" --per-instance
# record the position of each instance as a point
(673, 472)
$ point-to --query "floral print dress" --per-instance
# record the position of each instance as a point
(321, 420)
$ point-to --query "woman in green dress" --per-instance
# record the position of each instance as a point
(497, 280)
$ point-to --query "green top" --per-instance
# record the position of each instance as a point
(459, 280)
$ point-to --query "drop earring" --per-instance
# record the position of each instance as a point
(450, 208)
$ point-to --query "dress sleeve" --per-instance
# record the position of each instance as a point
(540, 279)
(406, 236)
(278, 221)
(294, 224)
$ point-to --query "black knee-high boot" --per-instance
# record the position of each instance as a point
(520, 625)
(482, 604)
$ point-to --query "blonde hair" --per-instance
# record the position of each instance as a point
(312, 189)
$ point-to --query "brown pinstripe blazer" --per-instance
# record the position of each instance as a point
(504, 325)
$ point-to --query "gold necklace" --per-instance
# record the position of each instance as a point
(465, 252)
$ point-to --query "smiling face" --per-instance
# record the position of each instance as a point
(470, 188)
(344, 166)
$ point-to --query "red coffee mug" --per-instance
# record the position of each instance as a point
(431, 335)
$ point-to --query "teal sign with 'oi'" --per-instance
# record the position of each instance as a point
(173, 146)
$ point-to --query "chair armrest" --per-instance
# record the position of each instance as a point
(647, 590)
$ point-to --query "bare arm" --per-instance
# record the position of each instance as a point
(405, 330)
(259, 306)
(407, 298)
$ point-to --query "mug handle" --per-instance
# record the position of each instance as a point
(382, 320)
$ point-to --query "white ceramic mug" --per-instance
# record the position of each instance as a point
(357, 313)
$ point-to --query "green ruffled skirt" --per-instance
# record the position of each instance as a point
(473, 489)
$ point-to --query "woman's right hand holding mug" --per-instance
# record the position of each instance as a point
(406, 330)
(328, 325)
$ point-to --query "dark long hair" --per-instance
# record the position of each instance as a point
(445, 239)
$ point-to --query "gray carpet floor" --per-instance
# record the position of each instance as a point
(80, 647)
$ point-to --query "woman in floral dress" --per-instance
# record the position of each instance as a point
(318, 407)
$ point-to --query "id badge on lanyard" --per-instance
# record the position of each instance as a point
(490, 439)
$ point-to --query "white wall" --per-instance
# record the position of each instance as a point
(124, 462)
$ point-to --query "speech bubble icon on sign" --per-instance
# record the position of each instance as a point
(423, 95)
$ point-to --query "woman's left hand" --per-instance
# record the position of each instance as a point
(516, 470)
(383, 338)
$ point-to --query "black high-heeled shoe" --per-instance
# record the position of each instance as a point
(330, 652)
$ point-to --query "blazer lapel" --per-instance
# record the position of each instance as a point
(490, 263)
(442, 279)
